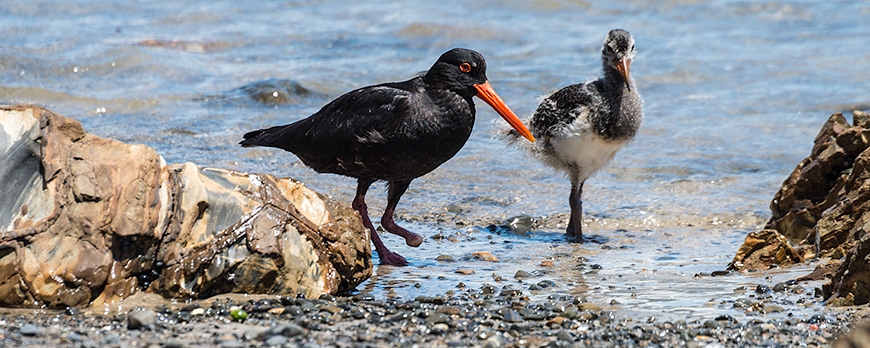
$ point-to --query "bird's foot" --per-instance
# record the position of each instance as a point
(573, 235)
(580, 238)
(414, 239)
(411, 238)
(391, 258)
(573, 239)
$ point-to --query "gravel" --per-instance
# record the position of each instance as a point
(484, 317)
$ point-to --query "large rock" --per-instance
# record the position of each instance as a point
(86, 220)
(824, 208)
(763, 248)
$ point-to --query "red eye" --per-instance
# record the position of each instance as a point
(465, 67)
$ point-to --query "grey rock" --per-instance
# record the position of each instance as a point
(74, 337)
(231, 344)
(112, 339)
(563, 335)
(495, 341)
(30, 330)
(142, 320)
(522, 274)
(286, 330)
(275, 340)
(439, 328)
(175, 343)
(436, 318)
(512, 316)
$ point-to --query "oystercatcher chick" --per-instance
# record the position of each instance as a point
(395, 132)
(581, 127)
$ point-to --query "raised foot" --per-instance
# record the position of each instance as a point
(411, 238)
(414, 240)
(391, 258)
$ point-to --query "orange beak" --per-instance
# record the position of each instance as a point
(623, 66)
(487, 94)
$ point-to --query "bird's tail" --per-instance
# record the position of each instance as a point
(271, 137)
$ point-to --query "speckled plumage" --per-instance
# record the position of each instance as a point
(581, 127)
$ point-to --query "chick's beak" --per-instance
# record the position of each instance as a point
(624, 67)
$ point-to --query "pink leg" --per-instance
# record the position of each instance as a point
(359, 204)
(396, 190)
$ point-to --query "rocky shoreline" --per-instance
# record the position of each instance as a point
(485, 317)
(827, 218)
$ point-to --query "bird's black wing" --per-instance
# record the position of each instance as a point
(363, 117)
(562, 108)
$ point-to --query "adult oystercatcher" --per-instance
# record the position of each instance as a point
(395, 132)
(581, 127)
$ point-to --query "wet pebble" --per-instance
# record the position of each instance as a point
(521, 224)
(495, 341)
(512, 316)
(141, 319)
(74, 337)
(725, 317)
(286, 330)
(546, 283)
(528, 314)
(589, 307)
(231, 344)
(175, 343)
(439, 329)
(743, 303)
(772, 309)
(111, 340)
(712, 324)
(30, 330)
(436, 318)
(484, 255)
(449, 310)
(273, 341)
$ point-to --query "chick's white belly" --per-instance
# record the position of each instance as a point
(584, 153)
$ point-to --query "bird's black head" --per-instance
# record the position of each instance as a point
(463, 71)
(618, 52)
(458, 70)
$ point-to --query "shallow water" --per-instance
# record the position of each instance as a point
(734, 93)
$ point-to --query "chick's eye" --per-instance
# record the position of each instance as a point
(465, 67)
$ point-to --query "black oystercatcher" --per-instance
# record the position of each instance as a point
(581, 127)
(395, 131)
